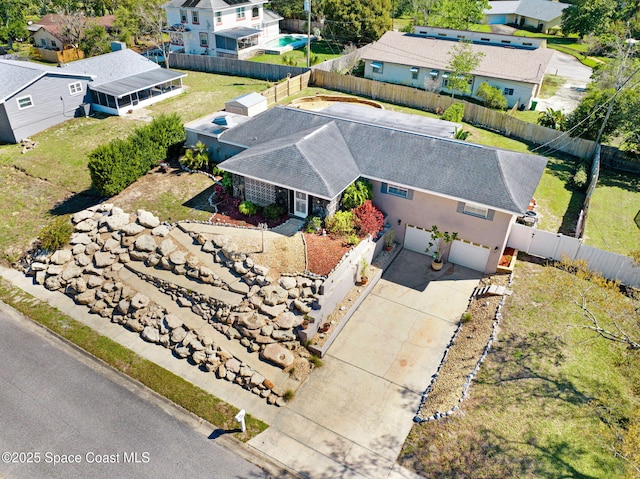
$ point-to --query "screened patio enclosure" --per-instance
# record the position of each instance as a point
(236, 39)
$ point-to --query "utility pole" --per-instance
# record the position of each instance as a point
(307, 7)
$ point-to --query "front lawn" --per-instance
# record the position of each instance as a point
(551, 399)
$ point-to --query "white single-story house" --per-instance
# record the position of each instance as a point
(125, 80)
(304, 160)
(540, 15)
(34, 97)
(420, 60)
(224, 28)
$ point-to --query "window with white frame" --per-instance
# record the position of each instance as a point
(24, 102)
(195, 18)
(204, 39)
(396, 190)
(376, 67)
(508, 91)
(218, 18)
(415, 71)
(239, 13)
(474, 209)
(75, 88)
(183, 16)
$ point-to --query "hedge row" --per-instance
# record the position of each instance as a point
(117, 164)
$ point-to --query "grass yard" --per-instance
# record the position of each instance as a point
(164, 382)
(550, 85)
(323, 50)
(615, 203)
(550, 400)
(570, 45)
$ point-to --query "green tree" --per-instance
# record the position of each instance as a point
(492, 96)
(95, 41)
(357, 21)
(585, 121)
(458, 14)
(586, 17)
(553, 119)
(13, 20)
(462, 61)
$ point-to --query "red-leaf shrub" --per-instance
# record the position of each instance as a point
(370, 219)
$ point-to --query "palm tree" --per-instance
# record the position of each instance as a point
(553, 119)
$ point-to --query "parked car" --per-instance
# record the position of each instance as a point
(156, 54)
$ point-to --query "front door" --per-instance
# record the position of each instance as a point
(301, 201)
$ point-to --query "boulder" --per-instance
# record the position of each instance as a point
(260, 270)
(54, 269)
(61, 256)
(152, 260)
(71, 271)
(256, 380)
(250, 320)
(182, 351)
(178, 334)
(80, 238)
(102, 259)
(221, 240)
(166, 247)
(91, 248)
(232, 365)
(171, 321)
(208, 247)
(300, 306)
(136, 255)
(111, 244)
(145, 243)
(162, 231)
(278, 355)
(139, 301)
(272, 311)
(273, 294)
(240, 268)
(283, 335)
(198, 357)
(78, 249)
(88, 297)
(94, 281)
(80, 216)
(82, 259)
(151, 334)
(288, 282)
(116, 220)
(178, 258)
(52, 283)
(87, 225)
(132, 229)
(37, 266)
(146, 219)
(288, 320)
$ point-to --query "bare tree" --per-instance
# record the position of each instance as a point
(72, 27)
(153, 23)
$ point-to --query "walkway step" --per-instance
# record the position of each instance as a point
(491, 290)
(215, 292)
(193, 321)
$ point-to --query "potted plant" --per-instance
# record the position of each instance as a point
(388, 240)
(439, 240)
(364, 279)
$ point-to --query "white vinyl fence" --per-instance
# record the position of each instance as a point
(557, 246)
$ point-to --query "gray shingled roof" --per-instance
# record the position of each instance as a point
(280, 138)
(498, 62)
(113, 66)
(544, 10)
(17, 75)
(317, 161)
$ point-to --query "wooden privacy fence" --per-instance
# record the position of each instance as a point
(232, 66)
(558, 247)
(584, 212)
(290, 86)
(473, 113)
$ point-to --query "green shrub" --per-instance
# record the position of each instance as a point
(492, 96)
(314, 223)
(356, 194)
(227, 182)
(196, 158)
(117, 164)
(461, 134)
(217, 171)
(342, 223)
(247, 208)
(353, 240)
(580, 177)
(316, 361)
(454, 113)
(466, 317)
(273, 211)
(56, 234)
(288, 395)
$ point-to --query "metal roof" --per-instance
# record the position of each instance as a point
(237, 33)
(134, 83)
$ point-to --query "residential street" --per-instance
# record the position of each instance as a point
(60, 417)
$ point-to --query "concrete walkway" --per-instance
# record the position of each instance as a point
(351, 417)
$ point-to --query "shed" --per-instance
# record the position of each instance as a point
(249, 104)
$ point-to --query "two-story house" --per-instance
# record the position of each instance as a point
(223, 28)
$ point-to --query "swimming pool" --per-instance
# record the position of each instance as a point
(293, 41)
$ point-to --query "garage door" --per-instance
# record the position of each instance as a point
(469, 255)
(497, 20)
(416, 239)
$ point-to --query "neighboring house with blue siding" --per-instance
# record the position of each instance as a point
(34, 97)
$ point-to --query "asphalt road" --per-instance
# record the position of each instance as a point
(62, 418)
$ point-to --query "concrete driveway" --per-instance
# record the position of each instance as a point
(352, 416)
(577, 78)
